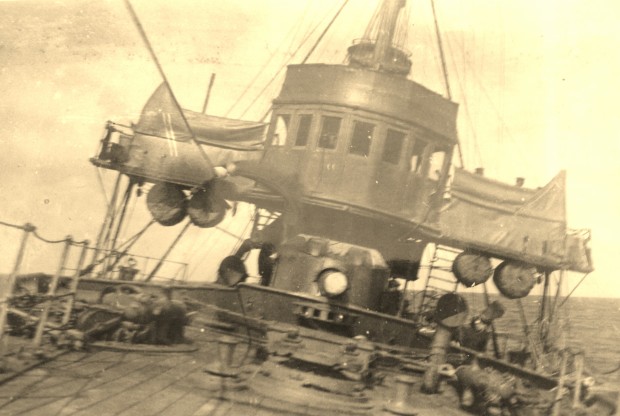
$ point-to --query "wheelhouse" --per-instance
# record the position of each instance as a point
(345, 138)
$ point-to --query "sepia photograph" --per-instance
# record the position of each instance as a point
(309, 207)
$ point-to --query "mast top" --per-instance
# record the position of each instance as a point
(378, 48)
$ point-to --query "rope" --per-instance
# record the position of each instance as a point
(119, 255)
(34, 232)
(262, 69)
(32, 229)
(103, 191)
(145, 39)
(503, 123)
(27, 227)
(575, 288)
(260, 94)
(320, 38)
(445, 74)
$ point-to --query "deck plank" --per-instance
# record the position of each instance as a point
(208, 408)
(57, 387)
(94, 395)
(163, 377)
(156, 404)
(186, 405)
(22, 384)
(23, 406)
(51, 408)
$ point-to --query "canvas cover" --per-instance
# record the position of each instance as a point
(161, 117)
(515, 222)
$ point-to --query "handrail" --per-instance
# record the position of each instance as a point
(8, 288)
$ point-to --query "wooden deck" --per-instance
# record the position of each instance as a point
(124, 383)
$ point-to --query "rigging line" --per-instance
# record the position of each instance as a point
(441, 53)
(165, 256)
(209, 244)
(497, 114)
(198, 243)
(105, 194)
(445, 74)
(242, 237)
(467, 112)
(320, 38)
(130, 242)
(130, 217)
(295, 28)
(572, 291)
(280, 70)
(145, 39)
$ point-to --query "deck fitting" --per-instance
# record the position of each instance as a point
(401, 403)
(223, 366)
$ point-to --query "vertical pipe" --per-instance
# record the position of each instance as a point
(578, 375)
(545, 295)
(403, 300)
(558, 293)
(496, 349)
(74, 284)
(51, 292)
(8, 290)
(438, 356)
(560, 387)
(528, 335)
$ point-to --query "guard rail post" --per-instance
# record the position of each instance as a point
(74, 283)
(8, 288)
(51, 292)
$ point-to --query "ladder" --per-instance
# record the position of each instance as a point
(440, 280)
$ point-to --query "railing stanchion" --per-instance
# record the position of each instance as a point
(6, 290)
(74, 284)
(51, 292)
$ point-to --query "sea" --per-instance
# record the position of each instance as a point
(589, 325)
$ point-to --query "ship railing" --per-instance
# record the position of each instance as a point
(371, 42)
(115, 265)
(530, 353)
(70, 269)
(9, 292)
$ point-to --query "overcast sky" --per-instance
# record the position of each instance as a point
(536, 83)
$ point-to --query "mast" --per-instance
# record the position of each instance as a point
(387, 28)
(377, 49)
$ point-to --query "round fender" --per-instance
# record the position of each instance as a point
(167, 204)
(471, 269)
(514, 280)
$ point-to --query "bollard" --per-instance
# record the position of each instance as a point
(402, 404)
(225, 351)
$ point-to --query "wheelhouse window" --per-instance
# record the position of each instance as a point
(329, 132)
(416, 156)
(436, 164)
(303, 131)
(361, 139)
(280, 132)
(393, 146)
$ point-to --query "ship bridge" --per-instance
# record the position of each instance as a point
(362, 136)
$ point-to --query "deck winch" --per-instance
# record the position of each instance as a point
(125, 313)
